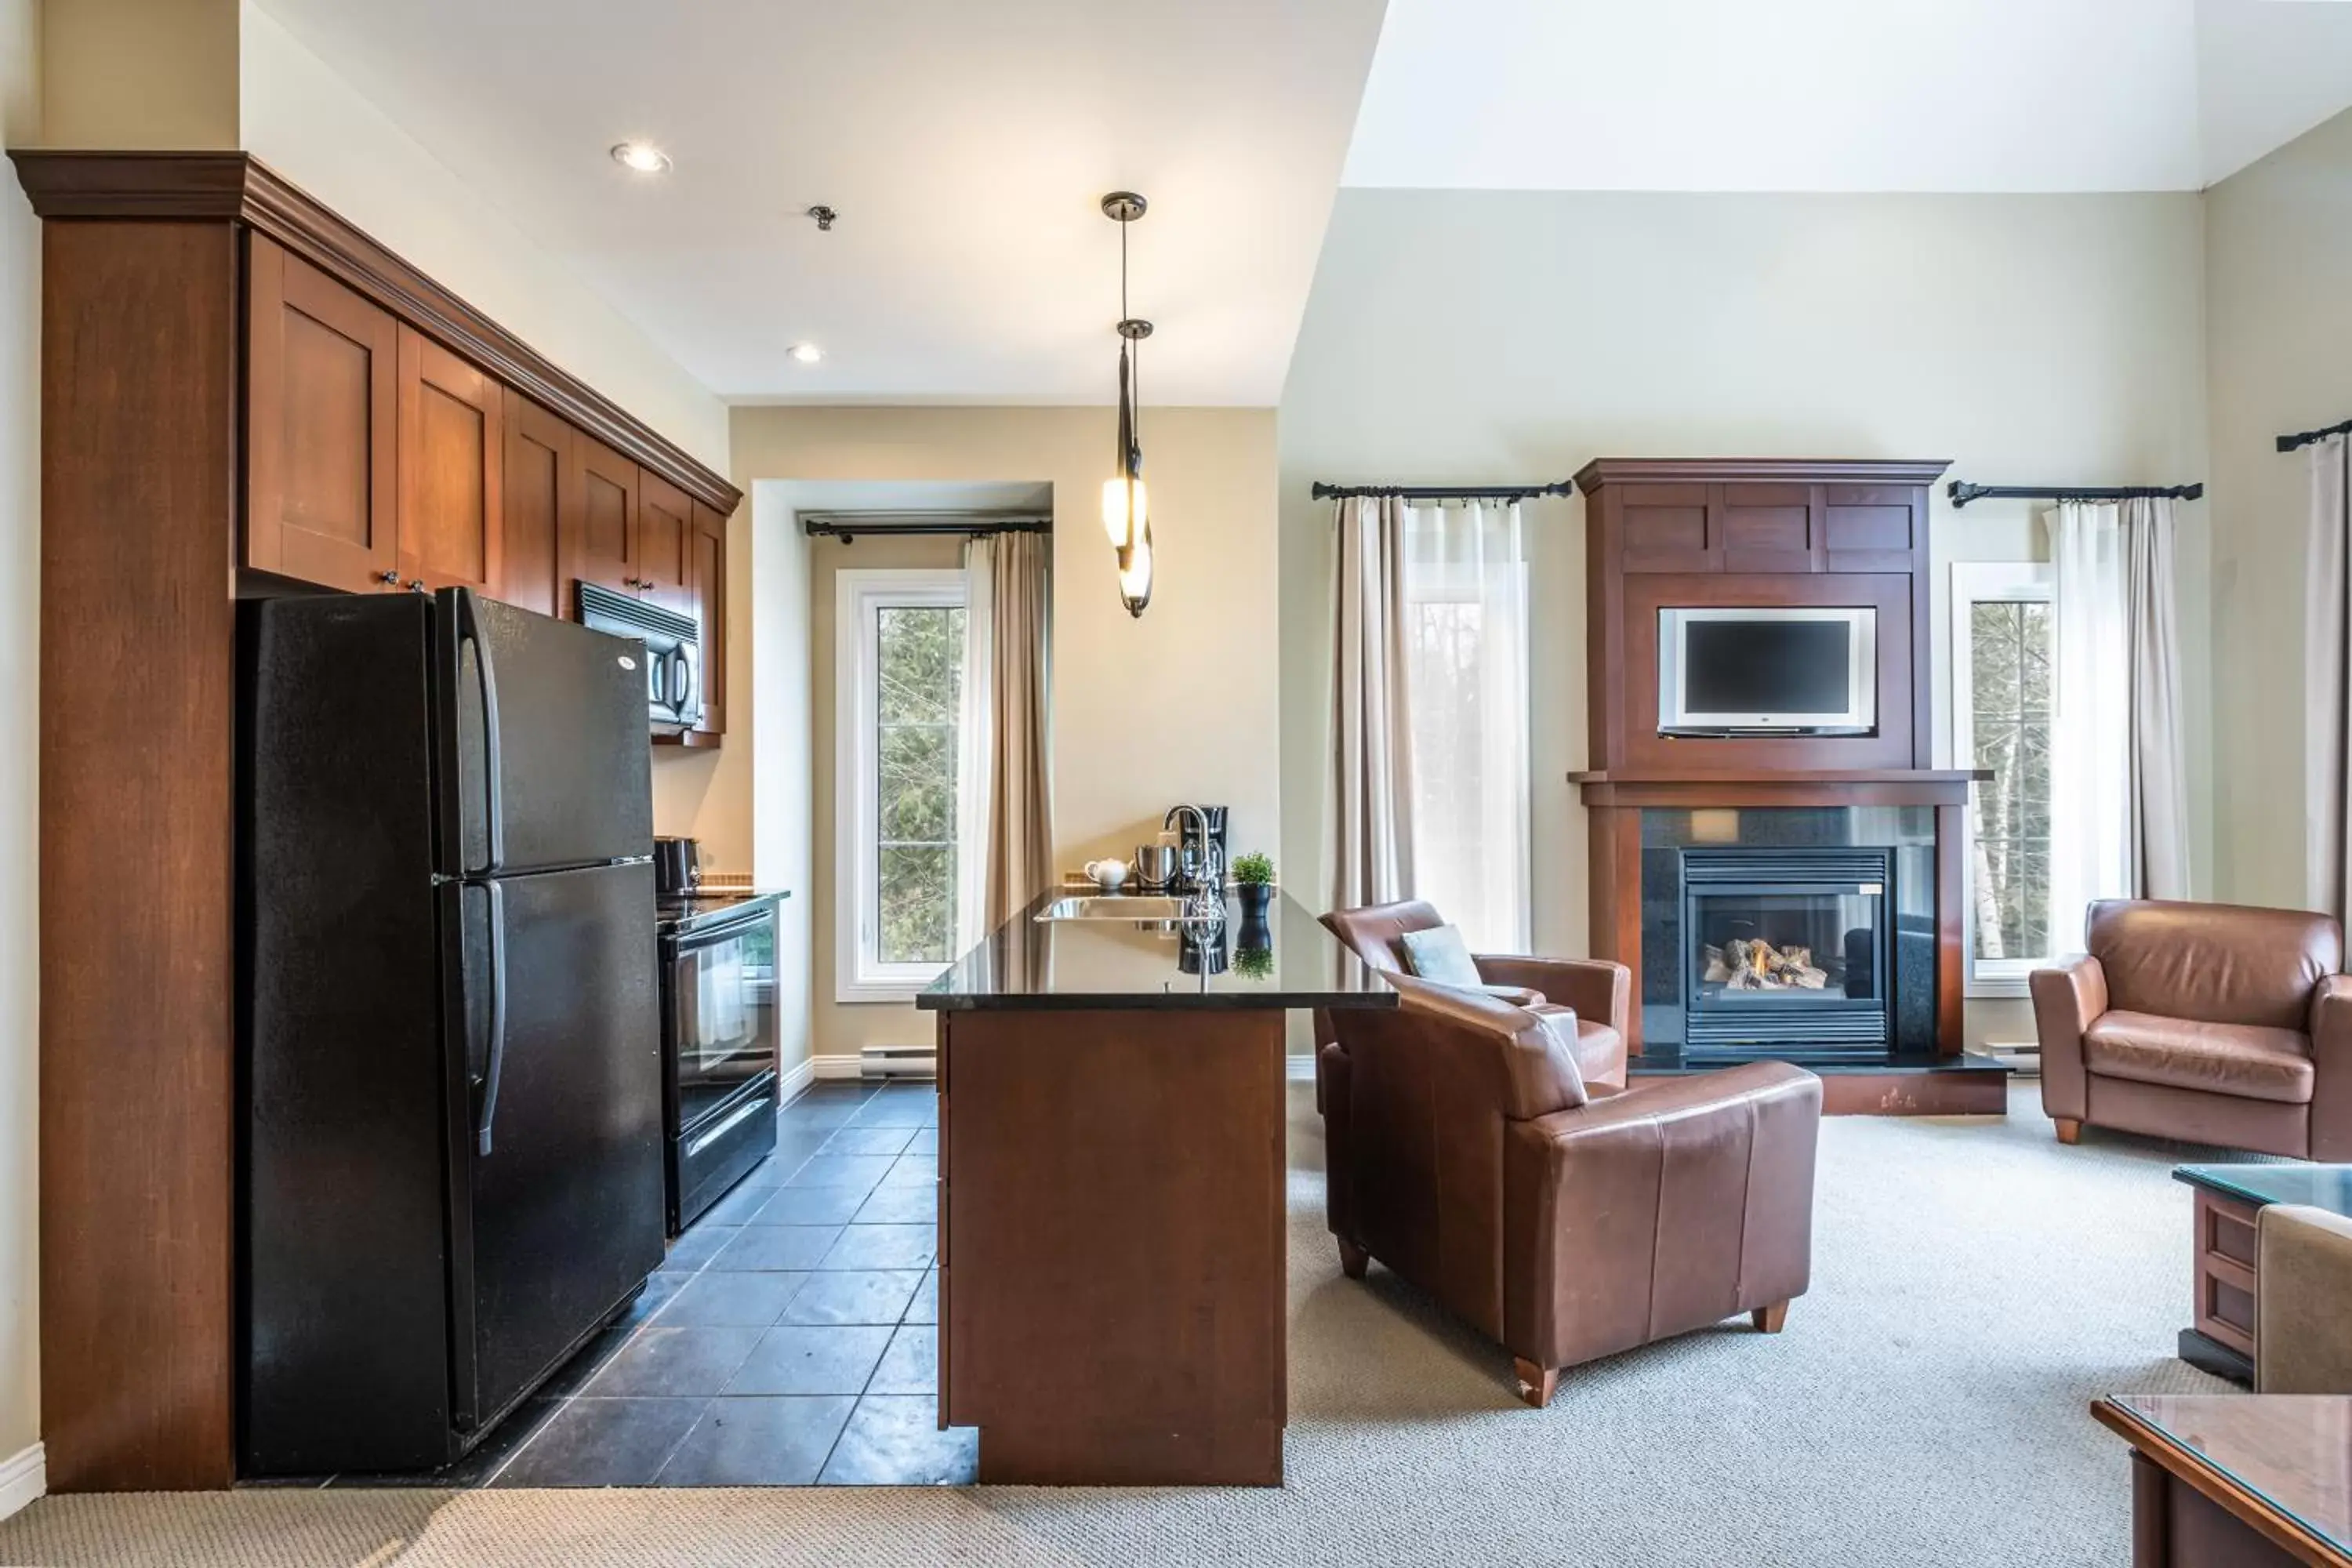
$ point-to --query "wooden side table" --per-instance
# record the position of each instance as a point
(2223, 1287)
(2237, 1480)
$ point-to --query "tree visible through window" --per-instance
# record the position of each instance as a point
(918, 658)
(2008, 664)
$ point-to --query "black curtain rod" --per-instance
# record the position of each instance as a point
(1322, 491)
(848, 527)
(2289, 443)
(1962, 493)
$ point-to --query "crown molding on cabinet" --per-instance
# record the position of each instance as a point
(236, 187)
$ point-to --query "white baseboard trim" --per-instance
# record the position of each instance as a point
(1299, 1068)
(838, 1066)
(22, 1477)
(795, 1079)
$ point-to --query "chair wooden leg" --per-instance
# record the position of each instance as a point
(1353, 1260)
(2069, 1130)
(1768, 1320)
(1537, 1384)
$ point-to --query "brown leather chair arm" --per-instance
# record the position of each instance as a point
(2331, 1060)
(2067, 1000)
(1597, 989)
(2303, 1338)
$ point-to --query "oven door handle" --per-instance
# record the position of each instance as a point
(496, 1059)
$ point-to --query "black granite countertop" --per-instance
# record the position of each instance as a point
(1287, 961)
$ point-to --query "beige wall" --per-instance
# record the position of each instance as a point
(20, 570)
(137, 73)
(1483, 337)
(844, 1029)
(2278, 248)
(309, 123)
(1181, 704)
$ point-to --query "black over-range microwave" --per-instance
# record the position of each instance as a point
(673, 652)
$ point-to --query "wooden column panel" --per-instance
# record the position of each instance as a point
(537, 485)
(323, 426)
(139, 340)
(707, 586)
(452, 458)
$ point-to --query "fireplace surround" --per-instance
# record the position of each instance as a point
(1793, 896)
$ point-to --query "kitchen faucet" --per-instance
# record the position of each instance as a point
(1206, 899)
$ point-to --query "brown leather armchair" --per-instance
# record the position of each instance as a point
(2213, 1023)
(1597, 993)
(1466, 1151)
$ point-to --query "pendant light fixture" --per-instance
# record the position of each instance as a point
(1126, 504)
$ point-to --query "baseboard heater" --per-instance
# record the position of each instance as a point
(898, 1061)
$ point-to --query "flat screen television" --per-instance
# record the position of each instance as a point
(1748, 671)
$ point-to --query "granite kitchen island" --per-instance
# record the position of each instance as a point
(1111, 1189)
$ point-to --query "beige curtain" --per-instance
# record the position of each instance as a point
(1372, 727)
(1005, 782)
(2327, 692)
(2160, 773)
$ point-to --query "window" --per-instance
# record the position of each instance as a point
(2003, 649)
(900, 697)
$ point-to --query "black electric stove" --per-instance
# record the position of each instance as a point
(718, 1042)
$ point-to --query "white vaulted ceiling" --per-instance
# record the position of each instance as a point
(1843, 95)
(965, 145)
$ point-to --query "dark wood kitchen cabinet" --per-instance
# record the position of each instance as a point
(452, 461)
(537, 487)
(603, 536)
(321, 429)
(221, 390)
(665, 541)
(706, 601)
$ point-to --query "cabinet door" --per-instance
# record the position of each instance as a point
(452, 457)
(665, 537)
(539, 487)
(604, 534)
(707, 586)
(322, 427)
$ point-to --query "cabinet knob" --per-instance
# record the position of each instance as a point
(416, 585)
(388, 577)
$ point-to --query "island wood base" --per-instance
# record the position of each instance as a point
(1111, 1244)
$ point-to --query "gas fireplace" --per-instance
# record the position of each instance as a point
(1786, 949)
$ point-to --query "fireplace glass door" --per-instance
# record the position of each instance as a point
(1795, 960)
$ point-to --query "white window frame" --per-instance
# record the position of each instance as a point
(1978, 583)
(859, 596)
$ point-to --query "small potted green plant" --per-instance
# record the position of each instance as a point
(1254, 962)
(1254, 885)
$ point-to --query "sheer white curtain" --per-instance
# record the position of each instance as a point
(1465, 653)
(2327, 678)
(2117, 778)
(975, 742)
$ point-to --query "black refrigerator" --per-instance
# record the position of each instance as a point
(450, 1171)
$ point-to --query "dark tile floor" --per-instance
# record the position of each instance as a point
(790, 1339)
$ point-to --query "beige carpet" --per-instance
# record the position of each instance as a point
(1975, 1285)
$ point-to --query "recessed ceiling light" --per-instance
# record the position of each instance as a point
(805, 353)
(644, 157)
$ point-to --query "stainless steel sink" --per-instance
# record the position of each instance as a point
(1110, 908)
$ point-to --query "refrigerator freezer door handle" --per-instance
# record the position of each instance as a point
(469, 627)
(498, 1044)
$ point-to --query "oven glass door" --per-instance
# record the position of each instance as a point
(723, 1012)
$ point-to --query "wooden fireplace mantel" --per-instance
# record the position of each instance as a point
(1849, 786)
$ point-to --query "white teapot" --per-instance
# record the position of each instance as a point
(1108, 875)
